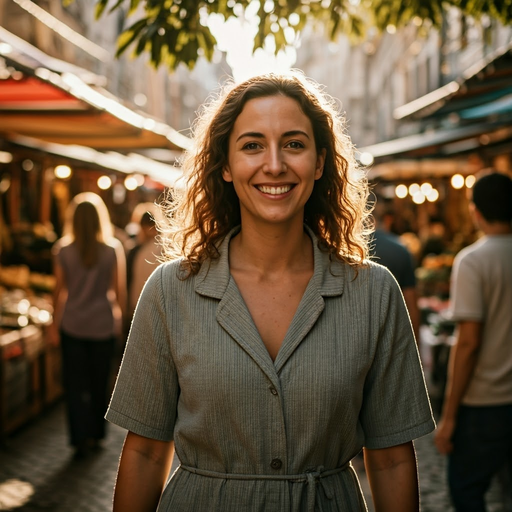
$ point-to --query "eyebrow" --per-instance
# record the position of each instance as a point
(258, 135)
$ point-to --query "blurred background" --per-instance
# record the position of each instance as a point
(428, 102)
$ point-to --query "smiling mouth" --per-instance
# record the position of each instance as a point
(274, 191)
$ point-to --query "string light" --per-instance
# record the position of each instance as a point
(401, 191)
(470, 181)
(104, 182)
(62, 171)
(457, 181)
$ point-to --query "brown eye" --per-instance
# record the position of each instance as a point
(295, 144)
(251, 146)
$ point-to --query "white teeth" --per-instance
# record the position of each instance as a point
(274, 191)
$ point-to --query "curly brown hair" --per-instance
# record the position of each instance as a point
(198, 217)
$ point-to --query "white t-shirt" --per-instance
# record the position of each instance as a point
(481, 290)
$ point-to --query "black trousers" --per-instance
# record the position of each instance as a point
(482, 447)
(86, 371)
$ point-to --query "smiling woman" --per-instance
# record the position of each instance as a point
(268, 350)
(273, 162)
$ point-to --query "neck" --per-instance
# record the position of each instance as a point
(271, 249)
(497, 228)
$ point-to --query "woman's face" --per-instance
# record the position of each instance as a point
(272, 160)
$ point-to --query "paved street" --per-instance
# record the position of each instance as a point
(38, 473)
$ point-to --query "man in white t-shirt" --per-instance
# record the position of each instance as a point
(475, 429)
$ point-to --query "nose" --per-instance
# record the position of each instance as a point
(274, 162)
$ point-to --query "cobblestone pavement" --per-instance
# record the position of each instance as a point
(38, 473)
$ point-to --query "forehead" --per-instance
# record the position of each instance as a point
(276, 111)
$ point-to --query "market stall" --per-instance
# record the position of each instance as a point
(29, 366)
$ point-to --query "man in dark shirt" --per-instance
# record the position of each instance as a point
(390, 252)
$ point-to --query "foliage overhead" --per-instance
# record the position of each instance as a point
(174, 31)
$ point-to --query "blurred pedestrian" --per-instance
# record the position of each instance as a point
(433, 238)
(387, 250)
(144, 256)
(476, 423)
(271, 351)
(88, 298)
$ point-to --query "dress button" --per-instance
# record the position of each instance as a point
(273, 391)
(276, 464)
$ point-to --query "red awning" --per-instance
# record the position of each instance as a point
(54, 101)
(29, 93)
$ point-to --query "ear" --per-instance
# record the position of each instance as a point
(226, 174)
(320, 161)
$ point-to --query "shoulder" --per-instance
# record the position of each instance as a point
(171, 275)
(471, 254)
(369, 280)
(382, 285)
(63, 253)
(60, 245)
(376, 272)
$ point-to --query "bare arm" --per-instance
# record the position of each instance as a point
(462, 364)
(143, 470)
(119, 279)
(393, 478)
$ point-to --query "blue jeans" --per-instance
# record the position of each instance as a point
(482, 448)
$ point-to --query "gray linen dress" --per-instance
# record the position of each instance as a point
(258, 435)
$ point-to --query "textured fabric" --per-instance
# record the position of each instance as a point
(388, 251)
(88, 311)
(481, 290)
(196, 371)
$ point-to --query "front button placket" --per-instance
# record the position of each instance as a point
(276, 464)
(276, 443)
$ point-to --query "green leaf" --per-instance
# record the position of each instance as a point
(128, 36)
(185, 36)
(156, 51)
(100, 7)
(116, 6)
(134, 4)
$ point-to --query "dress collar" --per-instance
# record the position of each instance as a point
(329, 274)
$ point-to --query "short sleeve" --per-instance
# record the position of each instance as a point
(466, 297)
(145, 396)
(396, 407)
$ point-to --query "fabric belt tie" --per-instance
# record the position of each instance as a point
(311, 477)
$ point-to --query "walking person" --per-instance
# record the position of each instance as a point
(268, 352)
(89, 292)
(475, 429)
(390, 252)
(144, 256)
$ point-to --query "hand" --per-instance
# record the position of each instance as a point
(443, 436)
